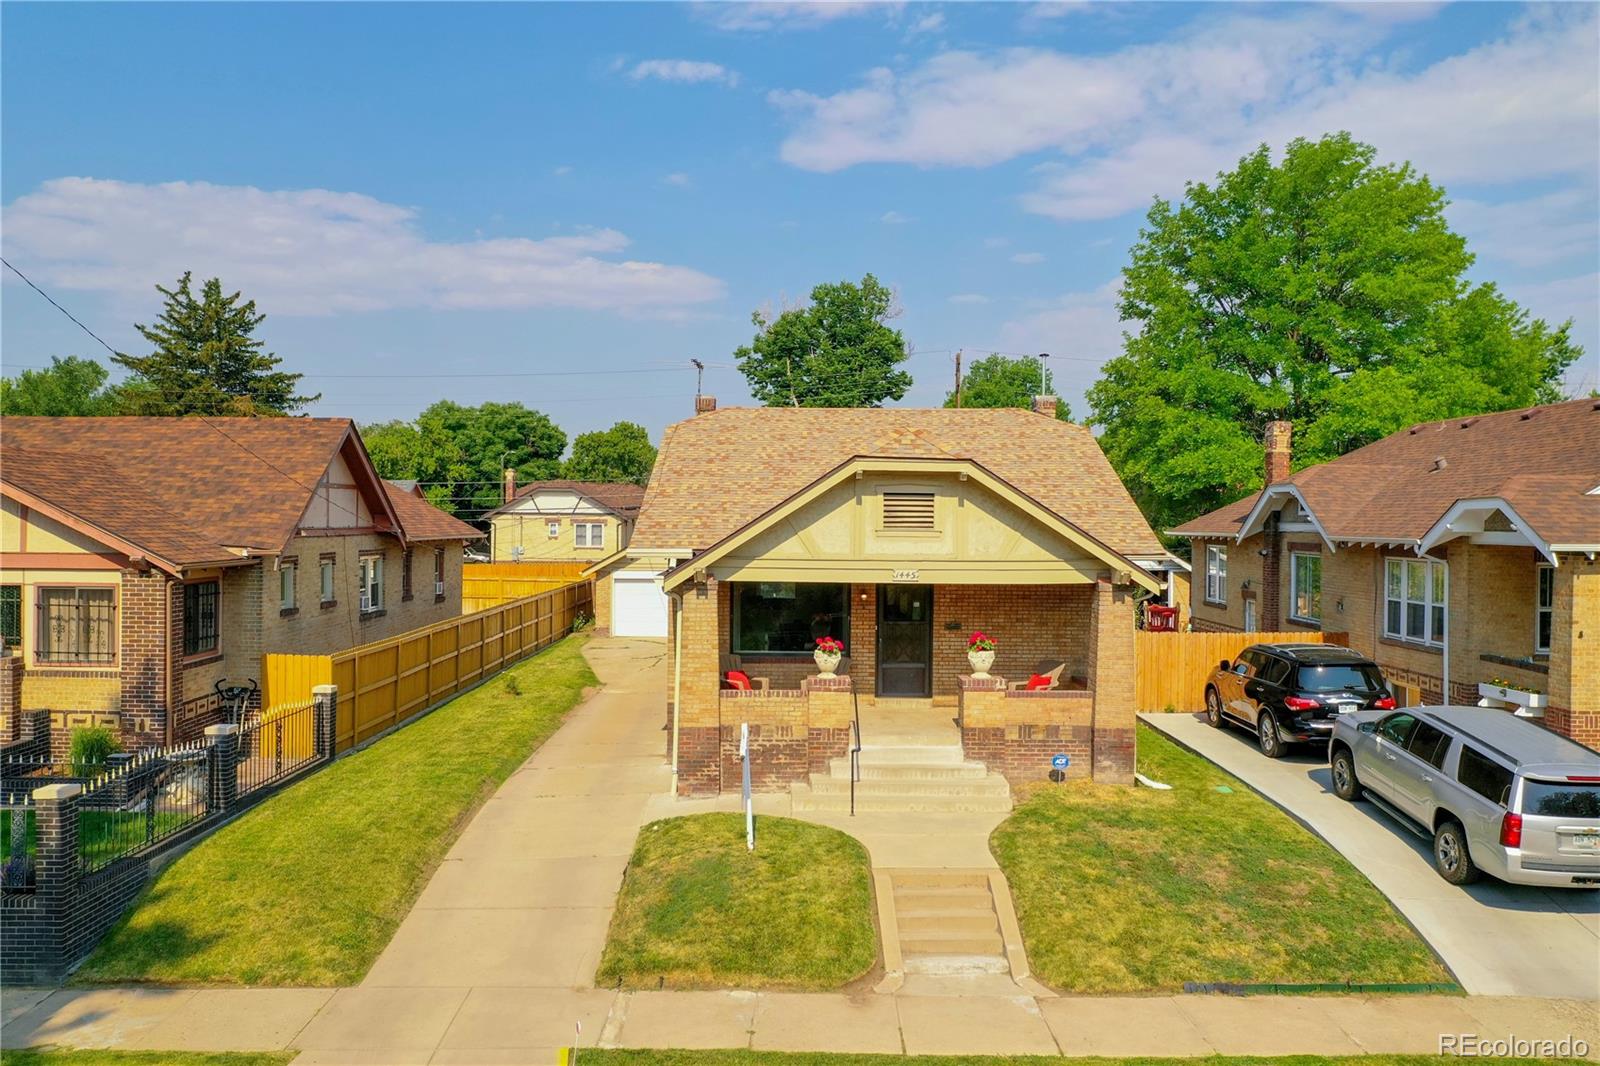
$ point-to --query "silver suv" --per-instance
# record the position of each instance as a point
(1498, 794)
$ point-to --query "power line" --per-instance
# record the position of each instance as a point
(58, 307)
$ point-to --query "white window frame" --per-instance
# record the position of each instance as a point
(1432, 600)
(438, 572)
(370, 583)
(553, 527)
(287, 572)
(325, 589)
(588, 534)
(1216, 588)
(1294, 587)
(1541, 608)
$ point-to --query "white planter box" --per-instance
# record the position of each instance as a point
(1528, 704)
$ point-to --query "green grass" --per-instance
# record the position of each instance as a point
(102, 835)
(63, 1057)
(308, 887)
(607, 1057)
(699, 911)
(1132, 890)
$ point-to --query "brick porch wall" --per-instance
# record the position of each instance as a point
(1017, 733)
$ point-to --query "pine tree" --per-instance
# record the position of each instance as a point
(206, 360)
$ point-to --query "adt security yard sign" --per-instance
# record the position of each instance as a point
(1061, 762)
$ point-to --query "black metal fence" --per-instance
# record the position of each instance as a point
(149, 798)
(19, 842)
(275, 744)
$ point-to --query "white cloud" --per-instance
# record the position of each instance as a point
(562, 171)
(1121, 127)
(1028, 258)
(1540, 231)
(683, 70)
(800, 15)
(678, 179)
(1080, 330)
(894, 218)
(931, 23)
(315, 252)
(969, 298)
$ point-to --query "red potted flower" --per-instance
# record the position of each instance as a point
(980, 653)
(829, 651)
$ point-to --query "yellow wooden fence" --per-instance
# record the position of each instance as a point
(1170, 669)
(384, 683)
(485, 585)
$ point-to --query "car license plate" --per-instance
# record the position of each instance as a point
(1586, 841)
(1349, 708)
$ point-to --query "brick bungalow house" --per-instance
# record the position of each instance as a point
(143, 559)
(899, 532)
(1467, 549)
(565, 521)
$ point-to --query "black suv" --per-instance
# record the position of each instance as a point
(1291, 693)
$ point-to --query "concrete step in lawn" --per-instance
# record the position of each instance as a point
(946, 922)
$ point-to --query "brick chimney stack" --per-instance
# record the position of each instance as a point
(510, 490)
(1045, 405)
(1277, 441)
(704, 404)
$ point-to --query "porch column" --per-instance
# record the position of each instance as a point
(1574, 708)
(1111, 680)
(700, 711)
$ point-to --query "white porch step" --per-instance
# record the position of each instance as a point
(974, 785)
(804, 799)
(890, 770)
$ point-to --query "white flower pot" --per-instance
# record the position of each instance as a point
(827, 662)
(981, 661)
(1528, 704)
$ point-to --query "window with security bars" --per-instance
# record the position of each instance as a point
(76, 625)
(908, 511)
(200, 601)
(11, 615)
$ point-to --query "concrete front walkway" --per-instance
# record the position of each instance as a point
(1498, 939)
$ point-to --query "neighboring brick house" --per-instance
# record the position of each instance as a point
(144, 559)
(899, 532)
(1469, 546)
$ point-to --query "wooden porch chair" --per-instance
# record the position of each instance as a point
(1051, 670)
(732, 662)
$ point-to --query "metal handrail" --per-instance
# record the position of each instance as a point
(855, 748)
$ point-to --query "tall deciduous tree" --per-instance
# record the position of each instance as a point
(837, 351)
(70, 386)
(459, 453)
(1326, 289)
(206, 359)
(1003, 381)
(621, 453)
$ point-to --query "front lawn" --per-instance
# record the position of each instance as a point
(1123, 890)
(307, 888)
(699, 911)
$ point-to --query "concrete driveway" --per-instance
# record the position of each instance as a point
(1498, 939)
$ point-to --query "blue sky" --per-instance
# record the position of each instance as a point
(563, 203)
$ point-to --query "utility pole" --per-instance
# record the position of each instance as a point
(958, 378)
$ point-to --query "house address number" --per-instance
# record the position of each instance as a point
(907, 575)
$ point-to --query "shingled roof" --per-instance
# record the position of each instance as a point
(183, 491)
(1542, 461)
(619, 497)
(718, 471)
(421, 520)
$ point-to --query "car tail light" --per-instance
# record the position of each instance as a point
(1384, 703)
(1511, 830)
(1581, 777)
(1300, 703)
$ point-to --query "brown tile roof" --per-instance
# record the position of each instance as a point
(184, 490)
(719, 471)
(422, 520)
(1543, 461)
(620, 497)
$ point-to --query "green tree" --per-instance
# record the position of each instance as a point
(457, 452)
(1001, 381)
(836, 351)
(70, 386)
(206, 360)
(621, 453)
(1326, 289)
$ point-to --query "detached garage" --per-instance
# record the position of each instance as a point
(628, 598)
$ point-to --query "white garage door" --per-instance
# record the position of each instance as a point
(638, 605)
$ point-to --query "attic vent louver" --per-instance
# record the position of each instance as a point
(908, 511)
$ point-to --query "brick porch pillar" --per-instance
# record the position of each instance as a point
(699, 682)
(11, 694)
(1111, 627)
(1574, 709)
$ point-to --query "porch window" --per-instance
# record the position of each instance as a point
(200, 599)
(1414, 600)
(786, 618)
(76, 625)
(1305, 587)
(1544, 609)
(1217, 573)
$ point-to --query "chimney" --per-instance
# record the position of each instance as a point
(510, 492)
(1045, 405)
(1277, 441)
(704, 404)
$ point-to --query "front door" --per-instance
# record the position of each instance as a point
(905, 640)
